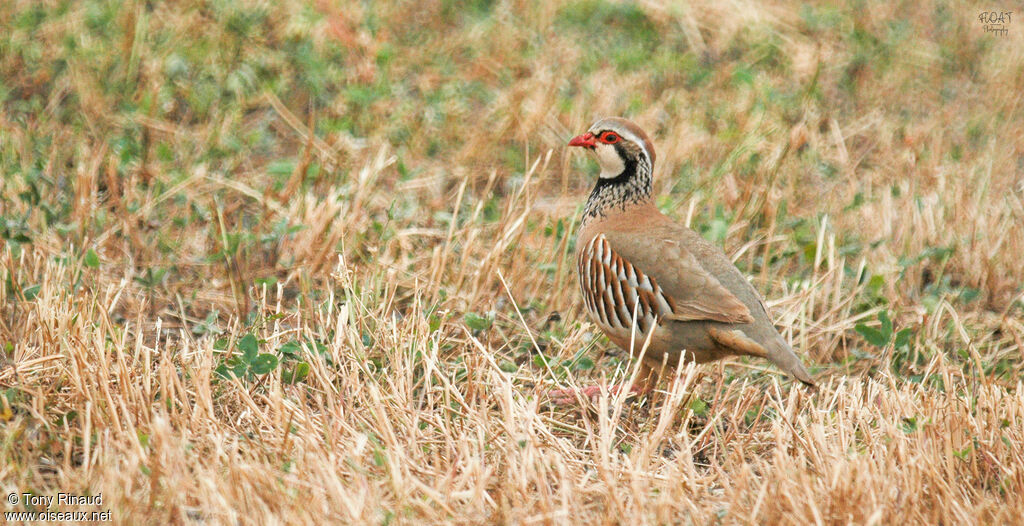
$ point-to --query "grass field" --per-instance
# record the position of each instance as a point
(297, 262)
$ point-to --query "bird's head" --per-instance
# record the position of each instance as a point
(621, 147)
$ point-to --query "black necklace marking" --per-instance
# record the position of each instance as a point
(633, 185)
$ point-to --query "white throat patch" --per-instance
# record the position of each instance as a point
(611, 164)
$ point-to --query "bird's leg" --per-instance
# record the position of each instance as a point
(646, 379)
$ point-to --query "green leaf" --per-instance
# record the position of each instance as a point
(969, 294)
(290, 349)
(810, 250)
(883, 317)
(281, 167)
(872, 335)
(91, 259)
(435, 323)
(30, 292)
(718, 230)
(875, 284)
(699, 407)
(263, 364)
(249, 347)
(583, 364)
(477, 322)
(66, 418)
(269, 282)
(508, 367)
(297, 374)
(903, 338)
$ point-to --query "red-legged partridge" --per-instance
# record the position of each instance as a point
(640, 271)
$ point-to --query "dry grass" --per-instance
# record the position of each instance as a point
(398, 198)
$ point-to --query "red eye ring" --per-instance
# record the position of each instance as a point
(610, 137)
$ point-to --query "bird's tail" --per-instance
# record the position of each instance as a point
(777, 350)
(782, 355)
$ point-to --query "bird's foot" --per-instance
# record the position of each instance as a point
(592, 393)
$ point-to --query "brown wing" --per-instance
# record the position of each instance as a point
(691, 292)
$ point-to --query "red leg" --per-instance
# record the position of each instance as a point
(592, 393)
(644, 383)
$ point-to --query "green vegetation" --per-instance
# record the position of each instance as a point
(312, 259)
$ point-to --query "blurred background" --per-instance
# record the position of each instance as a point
(337, 179)
(200, 150)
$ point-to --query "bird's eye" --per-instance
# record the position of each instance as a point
(610, 138)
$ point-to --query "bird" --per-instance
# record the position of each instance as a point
(643, 276)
